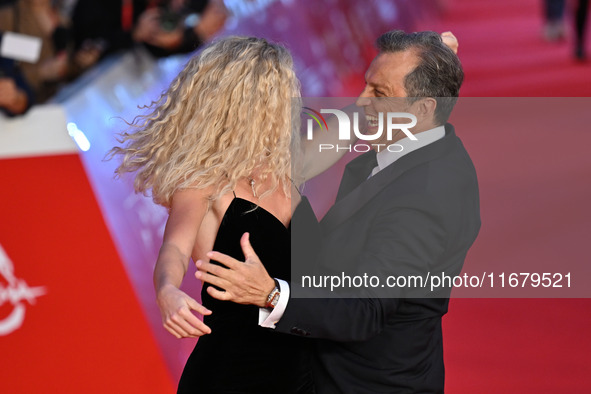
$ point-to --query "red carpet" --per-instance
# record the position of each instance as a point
(504, 55)
(519, 345)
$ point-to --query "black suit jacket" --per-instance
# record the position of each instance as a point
(419, 215)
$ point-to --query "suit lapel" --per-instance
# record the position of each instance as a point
(348, 204)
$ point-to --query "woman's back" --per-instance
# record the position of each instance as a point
(239, 356)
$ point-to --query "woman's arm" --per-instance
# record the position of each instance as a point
(315, 157)
(176, 307)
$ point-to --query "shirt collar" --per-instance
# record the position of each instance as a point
(386, 157)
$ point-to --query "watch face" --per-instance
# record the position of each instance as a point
(273, 298)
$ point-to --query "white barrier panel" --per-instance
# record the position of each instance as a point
(42, 131)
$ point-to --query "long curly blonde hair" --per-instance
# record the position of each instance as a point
(227, 115)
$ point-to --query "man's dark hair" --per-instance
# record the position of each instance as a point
(439, 73)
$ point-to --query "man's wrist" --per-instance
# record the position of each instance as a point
(269, 317)
(273, 296)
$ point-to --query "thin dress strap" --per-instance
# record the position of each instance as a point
(234, 193)
(295, 187)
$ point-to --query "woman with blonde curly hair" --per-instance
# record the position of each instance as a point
(215, 150)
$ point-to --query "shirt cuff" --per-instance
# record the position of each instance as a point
(269, 317)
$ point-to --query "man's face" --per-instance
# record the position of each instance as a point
(384, 79)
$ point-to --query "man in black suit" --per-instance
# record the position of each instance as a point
(397, 214)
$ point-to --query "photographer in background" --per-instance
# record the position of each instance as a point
(165, 27)
(179, 26)
(40, 19)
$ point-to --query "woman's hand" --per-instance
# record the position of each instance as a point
(450, 40)
(176, 308)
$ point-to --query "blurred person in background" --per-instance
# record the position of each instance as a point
(164, 27)
(38, 18)
(554, 29)
(16, 95)
(581, 17)
(179, 25)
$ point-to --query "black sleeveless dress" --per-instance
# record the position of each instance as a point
(239, 356)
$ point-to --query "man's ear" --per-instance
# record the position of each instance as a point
(425, 109)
